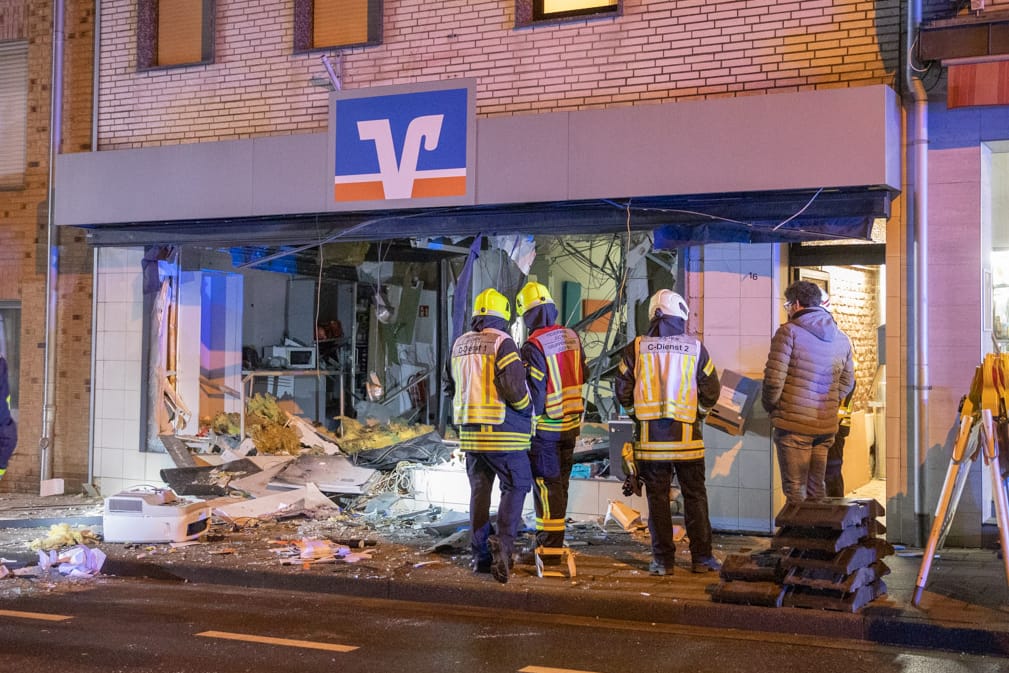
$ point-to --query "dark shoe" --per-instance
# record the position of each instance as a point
(480, 566)
(706, 565)
(656, 568)
(500, 565)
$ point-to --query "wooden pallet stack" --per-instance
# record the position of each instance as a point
(826, 554)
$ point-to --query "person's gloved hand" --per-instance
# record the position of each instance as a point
(632, 486)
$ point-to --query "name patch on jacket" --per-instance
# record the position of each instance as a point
(558, 341)
(673, 345)
(480, 343)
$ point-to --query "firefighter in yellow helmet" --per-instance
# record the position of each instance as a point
(667, 382)
(555, 368)
(8, 428)
(493, 413)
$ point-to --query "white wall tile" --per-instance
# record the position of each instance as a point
(112, 463)
(110, 485)
(755, 471)
(755, 511)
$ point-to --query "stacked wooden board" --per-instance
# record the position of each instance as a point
(827, 554)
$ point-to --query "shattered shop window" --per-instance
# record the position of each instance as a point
(10, 330)
(529, 12)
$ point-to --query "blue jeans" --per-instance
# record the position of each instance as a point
(803, 462)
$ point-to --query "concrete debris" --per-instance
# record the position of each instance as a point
(309, 436)
(208, 481)
(618, 512)
(304, 500)
(309, 551)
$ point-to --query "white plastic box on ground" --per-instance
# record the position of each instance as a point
(153, 516)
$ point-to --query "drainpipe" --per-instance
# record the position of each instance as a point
(55, 136)
(917, 148)
(95, 61)
(95, 79)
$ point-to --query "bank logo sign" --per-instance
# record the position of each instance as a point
(390, 145)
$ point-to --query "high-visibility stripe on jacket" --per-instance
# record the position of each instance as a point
(844, 411)
(564, 376)
(491, 404)
(665, 377)
(474, 362)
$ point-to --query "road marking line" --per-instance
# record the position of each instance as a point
(547, 669)
(308, 644)
(35, 615)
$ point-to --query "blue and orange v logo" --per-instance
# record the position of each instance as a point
(404, 146)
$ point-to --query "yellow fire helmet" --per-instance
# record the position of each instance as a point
(531, 296)
(492, 302)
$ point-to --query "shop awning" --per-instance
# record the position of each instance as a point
(752, 217)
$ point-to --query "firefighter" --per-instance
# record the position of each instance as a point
(833, 479)
(667, 382)
(555, 369)
(493, 412)
(8, 428)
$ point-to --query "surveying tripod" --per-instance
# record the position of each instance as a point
(984, 427)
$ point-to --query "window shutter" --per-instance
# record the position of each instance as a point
(557, 6)
(180, 32)
(339, 22)
(13, 112)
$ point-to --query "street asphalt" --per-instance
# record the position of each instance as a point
(965, 606)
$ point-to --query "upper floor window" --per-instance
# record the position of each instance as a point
(529, 11)
(328, 24)
(13, 112)
(174, 32)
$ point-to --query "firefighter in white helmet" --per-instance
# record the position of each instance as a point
(667, 382)
(493, 413)
(555, 368)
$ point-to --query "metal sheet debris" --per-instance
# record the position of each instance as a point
(332, 474)
(287, 503)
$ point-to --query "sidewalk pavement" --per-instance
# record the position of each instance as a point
(965, 606)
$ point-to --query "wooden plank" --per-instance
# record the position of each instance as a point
(824, 539)
(803, 597)
(835, 513)
(768, 594)
(747, 568)
(844, 562)
(826, 580)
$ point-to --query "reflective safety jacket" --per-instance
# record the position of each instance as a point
(491, 404)
(667, 381)
(556, 369)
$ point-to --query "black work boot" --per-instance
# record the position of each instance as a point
(500, 565)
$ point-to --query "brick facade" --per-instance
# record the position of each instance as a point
(23, 252)
(657, 51)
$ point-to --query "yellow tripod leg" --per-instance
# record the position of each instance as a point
(949, 499)
(991, 450)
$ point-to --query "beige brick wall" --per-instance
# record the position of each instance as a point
(23, 253)
(657, 51)
(854, 301)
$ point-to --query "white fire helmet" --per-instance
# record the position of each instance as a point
(670, 303)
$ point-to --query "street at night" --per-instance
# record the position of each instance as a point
(146, 626)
